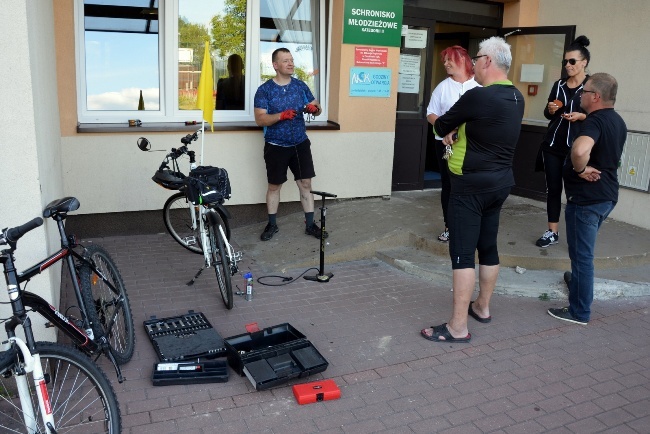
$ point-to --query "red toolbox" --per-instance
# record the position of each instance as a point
(316, 391)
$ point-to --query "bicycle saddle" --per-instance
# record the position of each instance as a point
(61, 206)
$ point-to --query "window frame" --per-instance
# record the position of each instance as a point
(168, 70)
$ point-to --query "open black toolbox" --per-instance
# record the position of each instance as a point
(273, 355)
(182, 344)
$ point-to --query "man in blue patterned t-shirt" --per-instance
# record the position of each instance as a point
(279, 107)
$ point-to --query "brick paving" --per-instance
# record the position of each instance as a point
(524, 372)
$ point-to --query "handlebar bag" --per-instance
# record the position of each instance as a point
(207, 184)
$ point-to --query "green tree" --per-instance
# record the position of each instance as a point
(191, 35)
(229, 29)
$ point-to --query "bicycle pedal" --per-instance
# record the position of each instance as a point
(237, 256)
(189, 241)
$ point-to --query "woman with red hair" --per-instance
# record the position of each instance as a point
(460, 79)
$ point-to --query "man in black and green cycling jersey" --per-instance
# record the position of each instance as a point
(481, 131)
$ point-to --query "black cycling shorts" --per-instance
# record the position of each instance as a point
(280, 158)
(473, 226)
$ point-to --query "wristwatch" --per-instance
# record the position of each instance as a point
(581, 172)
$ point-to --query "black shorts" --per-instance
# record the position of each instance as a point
(297, 158)
(474, 226)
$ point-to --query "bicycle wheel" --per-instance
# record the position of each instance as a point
(224, 222)
(81, 397)
(109, 311)
(221, 263)
(178, 221)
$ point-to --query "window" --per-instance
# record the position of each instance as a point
(142, 58)
(293, 25)
(118, 76)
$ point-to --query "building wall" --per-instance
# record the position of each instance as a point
(108, 173)
(30, 143)
(616, 32)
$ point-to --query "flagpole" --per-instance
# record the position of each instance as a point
(205, 94)
(202, 138)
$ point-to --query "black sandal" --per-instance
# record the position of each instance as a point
(441, 331)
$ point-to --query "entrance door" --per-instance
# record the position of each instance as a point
(537, 54)
(413, 92)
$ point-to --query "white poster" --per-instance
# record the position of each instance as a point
(408, 83)
(409, 64)
(416, 39)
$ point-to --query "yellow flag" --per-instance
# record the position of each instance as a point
(204, 97)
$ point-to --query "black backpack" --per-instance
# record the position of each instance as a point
(207, 184)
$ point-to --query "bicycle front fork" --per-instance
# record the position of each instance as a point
(32, 363)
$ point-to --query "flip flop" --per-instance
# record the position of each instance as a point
(441, 331)
(473, 314)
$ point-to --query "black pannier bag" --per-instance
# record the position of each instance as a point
(207, 184)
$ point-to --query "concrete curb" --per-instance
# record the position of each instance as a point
(527, 283)
(536, 262)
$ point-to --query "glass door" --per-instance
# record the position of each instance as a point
(537, 54)
(413, 90)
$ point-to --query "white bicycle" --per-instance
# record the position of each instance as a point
(195, 217)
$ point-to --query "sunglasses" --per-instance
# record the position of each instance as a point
(571, 61)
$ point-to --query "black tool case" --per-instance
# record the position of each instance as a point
(184, 337)
(183, 343)
(170, 373)
(273, 355)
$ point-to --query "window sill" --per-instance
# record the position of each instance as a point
(180, 127)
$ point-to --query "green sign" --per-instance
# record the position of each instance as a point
(373, 22)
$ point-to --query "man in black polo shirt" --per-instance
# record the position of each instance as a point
(483, 127)
(591, 186)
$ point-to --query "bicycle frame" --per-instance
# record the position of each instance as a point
(203, 233)
(84, 338)
(204, 213)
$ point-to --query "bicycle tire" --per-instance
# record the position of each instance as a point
(221, 264)
(81, 396)
(225, 223)
(103, 305)
(178, 222)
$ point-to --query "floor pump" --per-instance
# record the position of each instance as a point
(322, 277)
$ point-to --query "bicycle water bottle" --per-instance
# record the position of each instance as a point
(249, 286)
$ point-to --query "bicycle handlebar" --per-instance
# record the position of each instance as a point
(190, 137)
(12, 235)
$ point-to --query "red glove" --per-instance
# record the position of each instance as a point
(311, 109)
(287, 115)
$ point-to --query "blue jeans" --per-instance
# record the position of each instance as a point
(582, 224)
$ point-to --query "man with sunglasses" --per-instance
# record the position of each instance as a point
(591, 186)
(481, 129)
